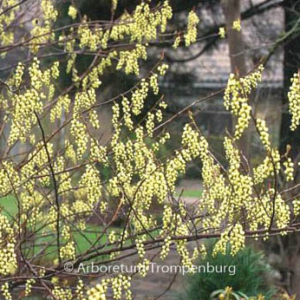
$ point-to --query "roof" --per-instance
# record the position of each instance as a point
(211, 69)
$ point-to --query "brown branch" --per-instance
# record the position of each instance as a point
(55, 186)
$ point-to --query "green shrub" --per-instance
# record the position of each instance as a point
(249, 277)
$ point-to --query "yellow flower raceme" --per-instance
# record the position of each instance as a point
(289, 169)
(5, 291)
(28, 287)
(222, 32)
(237, 25)
(72, 12)
(177, 42)
(235, 236)
(263, 133)
(294, 101)
(236, 98)
(191, 35)
(268, 167)
(8, 258)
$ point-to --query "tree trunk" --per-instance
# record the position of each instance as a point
(291, 66)
(232, 12)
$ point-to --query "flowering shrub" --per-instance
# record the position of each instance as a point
(56, 183)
